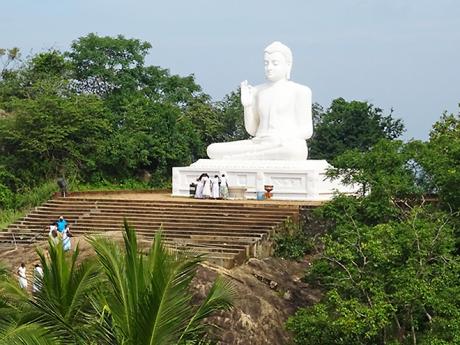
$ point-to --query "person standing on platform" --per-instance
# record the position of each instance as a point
(206, 187)
(199, 187)
(38, 277)
(61, 224)
(22, 276)
(62, 183)
(215, 192)
(52, 228)
(54, 235)
(223, 187)
(66, 239)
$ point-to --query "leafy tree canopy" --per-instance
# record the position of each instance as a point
(351, 125)
(389, 264)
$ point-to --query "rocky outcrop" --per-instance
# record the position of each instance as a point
(268, 290)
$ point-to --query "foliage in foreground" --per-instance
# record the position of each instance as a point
(389, 265)
(395, 281)
(122, 296)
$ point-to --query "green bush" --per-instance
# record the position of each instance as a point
(6, 197)
(111, 185)
(291, 242)
(29, 198)
(15, 205)
(8, 216)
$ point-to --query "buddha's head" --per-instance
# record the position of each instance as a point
(278, 61)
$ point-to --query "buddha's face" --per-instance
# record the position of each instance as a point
(276, 66)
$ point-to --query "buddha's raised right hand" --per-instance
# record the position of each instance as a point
(246, 94)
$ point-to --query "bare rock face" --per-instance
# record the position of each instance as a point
(268, 291)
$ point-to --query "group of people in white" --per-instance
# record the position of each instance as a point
(211, 188)
(59, 233)
(37, 277)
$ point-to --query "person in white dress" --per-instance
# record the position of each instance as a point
(38, 276)
(53, 233)
(52, 227)
(66, 240)
(215, 192)
(206, 186)
(223, 187)
(22, 276)
(199, 187)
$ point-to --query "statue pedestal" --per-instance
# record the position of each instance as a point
(291, 180)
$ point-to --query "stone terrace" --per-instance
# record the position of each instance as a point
(227, 232)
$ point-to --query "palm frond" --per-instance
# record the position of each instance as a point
(24, 334)
(62, 305)
(150, 299)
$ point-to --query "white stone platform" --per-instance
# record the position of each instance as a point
(291, 180)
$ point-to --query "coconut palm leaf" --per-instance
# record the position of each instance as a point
(15, 327)
(62, 305)
(150, 301)
(13, 333)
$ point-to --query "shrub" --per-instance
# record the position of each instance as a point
(291, 242)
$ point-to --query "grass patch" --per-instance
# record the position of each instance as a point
(25, 200)
(9, 216)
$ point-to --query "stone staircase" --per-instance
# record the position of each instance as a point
(227, 233)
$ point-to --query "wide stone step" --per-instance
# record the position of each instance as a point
(44, 217)
(202, 240)
(194, 228)
(184, 226)
(170, 205)
(173, 201)
(8, 237)
(100, 219)
(208, 235)
(56, 212)
(220, 234)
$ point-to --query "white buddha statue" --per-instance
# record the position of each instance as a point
(277, 114)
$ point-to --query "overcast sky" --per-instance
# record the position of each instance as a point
(396, 54)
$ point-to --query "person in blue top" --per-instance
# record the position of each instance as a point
(61, 224)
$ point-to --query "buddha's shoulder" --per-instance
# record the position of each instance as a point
(299, 87)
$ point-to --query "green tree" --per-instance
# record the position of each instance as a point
(394, 282)
(153, 137)
(103, 65)
(8, 57)
(386, 174)
(440, 160)
(205, 120)
(50, 135)
(114, 68)
(351, 125)
(98, 113)
(388, 264)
